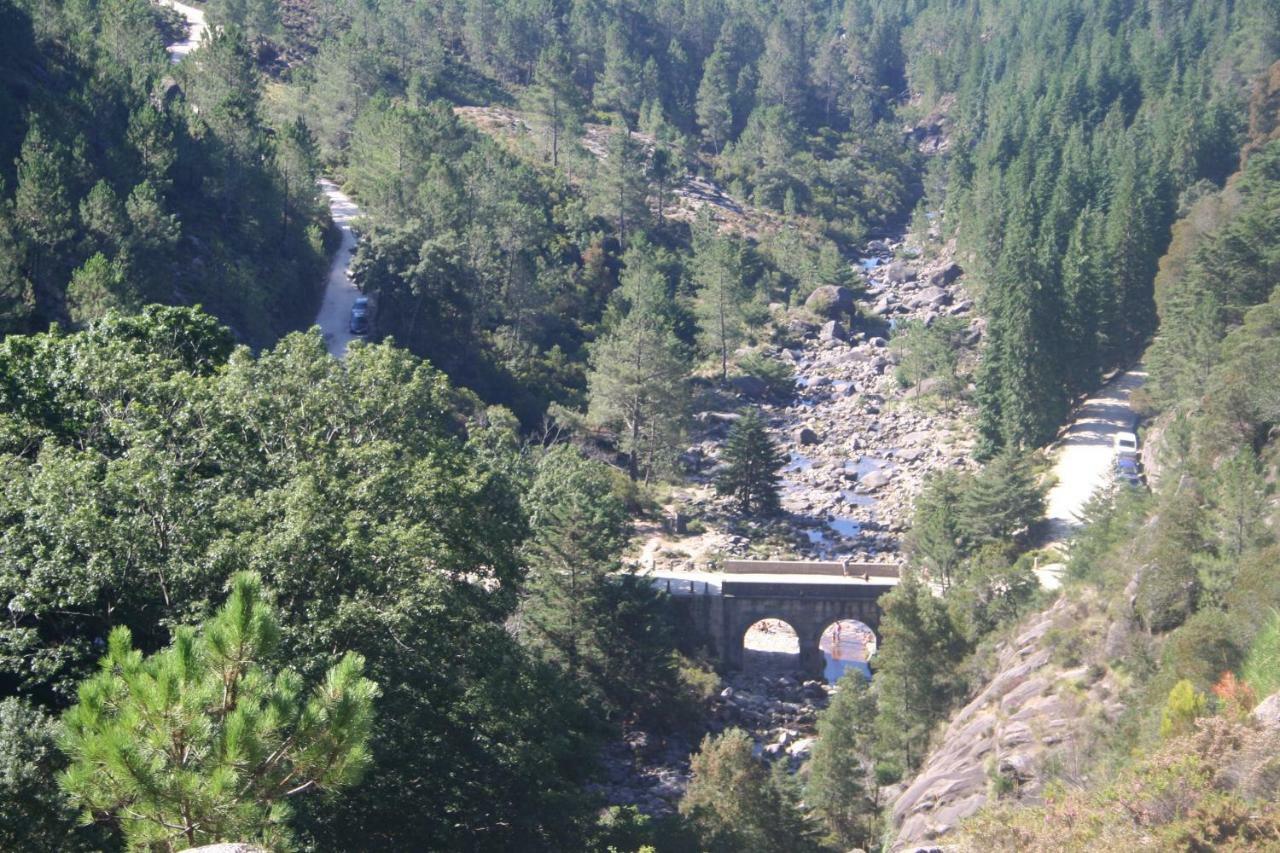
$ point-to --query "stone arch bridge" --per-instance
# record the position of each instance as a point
(808, 596)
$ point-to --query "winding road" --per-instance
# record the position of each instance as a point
(195, 29)
(334, 317)
(1084, 457)
(340, 293)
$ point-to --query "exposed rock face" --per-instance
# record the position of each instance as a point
(831, 301)
(1031, 713)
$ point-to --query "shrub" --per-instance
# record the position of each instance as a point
(1184, 706)
(1262, 667)
(778, 376)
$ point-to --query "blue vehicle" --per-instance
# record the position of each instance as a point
(1127, 471)
(360, 312)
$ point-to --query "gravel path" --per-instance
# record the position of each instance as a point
(1085, 453)
(334, 318)
(196, 26)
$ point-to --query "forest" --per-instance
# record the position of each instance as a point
(253, 592)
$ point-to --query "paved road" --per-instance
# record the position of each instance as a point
(196, 27)
(1085, 454)
(334, 318)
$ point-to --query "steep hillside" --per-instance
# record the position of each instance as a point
(1170, 608)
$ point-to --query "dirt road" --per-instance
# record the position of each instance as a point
(1085, 454)
(195, 24)
(334, 318)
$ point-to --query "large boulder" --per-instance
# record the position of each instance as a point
(933, 295)
(833, 331)
(946, 275)
(898, 272)
(831, 301)
(805, 436)
(749, 386)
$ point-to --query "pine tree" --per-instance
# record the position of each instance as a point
(936, 538)
(579, 530)
(555, 101)
(200, 742)
(715, 100)
(638, 375)
(620, 86)
(1001, 502)
(782, 70)
(42, 209)
(837, 788)
(915, 677)
(97, 288)
(721, 292)
(752, 463)
(734, 804)
(621, 188)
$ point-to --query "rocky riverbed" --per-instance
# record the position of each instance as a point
(858, 444)
(778, 710)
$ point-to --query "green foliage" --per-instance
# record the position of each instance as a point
(146, 461)
(936, 540)
(778, 376)
(1261, 670)
(916, 677)
(202, 741)
(749, 475)
(734, 803)
(111, 176)
(610, 631)
(638, 378)
(35, 814)
(929, 352)
(1188, 794)
(837, 787)
(721, 293)
(1184, 706)
(957, 515)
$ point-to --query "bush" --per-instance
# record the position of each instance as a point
(1183, 707)
(1203, 648)
(1261, 669)
(778, 376)
(1166, 596)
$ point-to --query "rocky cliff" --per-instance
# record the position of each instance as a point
(1028, 724)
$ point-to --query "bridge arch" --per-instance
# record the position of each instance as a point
(808, 596)
(771, 643)
(847, 644)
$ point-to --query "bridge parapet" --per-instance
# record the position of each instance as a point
(834, 568)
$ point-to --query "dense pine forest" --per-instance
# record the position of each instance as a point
(253, 592)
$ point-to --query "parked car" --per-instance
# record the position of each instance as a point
(1126, 444)
(360, 312)
(1127, 471)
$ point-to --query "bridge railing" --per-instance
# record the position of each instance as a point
(834, 568)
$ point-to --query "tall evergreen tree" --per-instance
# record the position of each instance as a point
(734, 804)
(838, 789)
(715, 100)
(638, 378)
(752, 463)
(555, 101)
(916, 677)
(719, 274)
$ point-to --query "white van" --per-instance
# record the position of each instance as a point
(1126, 444)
